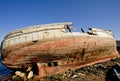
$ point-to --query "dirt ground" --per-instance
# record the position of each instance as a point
(97, 72)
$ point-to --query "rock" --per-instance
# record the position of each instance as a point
(69, 75)
(64, 74)
(14, 76)
(75, 76)
(30, 75)
(81, 74)
(29, 69)
(100, 66)
(20, 74)
(63, 77)
(45, 79)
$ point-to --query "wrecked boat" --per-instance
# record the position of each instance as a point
(56, 48)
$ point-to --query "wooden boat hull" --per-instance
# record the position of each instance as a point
(52, 45)
(77, 50)
(55, 50)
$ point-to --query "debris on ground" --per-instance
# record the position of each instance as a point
(97, 72)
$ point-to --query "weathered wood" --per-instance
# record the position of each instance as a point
(53, 45)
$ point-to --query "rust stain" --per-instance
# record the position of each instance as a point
(56, 51)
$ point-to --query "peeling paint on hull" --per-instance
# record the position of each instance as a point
(77, 51)
(55, 47)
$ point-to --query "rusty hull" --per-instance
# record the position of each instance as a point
(80, 59)
(55, 50)
(79, 50)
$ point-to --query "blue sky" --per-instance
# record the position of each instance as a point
(103, 14)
